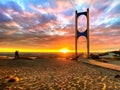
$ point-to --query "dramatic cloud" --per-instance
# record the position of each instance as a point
(4, 17)
(49, 24)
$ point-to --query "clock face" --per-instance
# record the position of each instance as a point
(82, 23)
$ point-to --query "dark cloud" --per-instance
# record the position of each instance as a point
(116, 24)
(111, 22)
(45, 18)
(101, 5)
(115, 10)
(3, 7)
(44, 3)
(11, 5)
(4, 17)
(69, 12)
(14, 5)
(36, 25)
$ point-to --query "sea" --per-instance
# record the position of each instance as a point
(38, 54)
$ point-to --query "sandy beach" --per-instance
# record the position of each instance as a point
(56, 74)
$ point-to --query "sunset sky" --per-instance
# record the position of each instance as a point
(48, 25)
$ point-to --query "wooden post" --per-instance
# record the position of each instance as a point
(76, 34)
(88, 43)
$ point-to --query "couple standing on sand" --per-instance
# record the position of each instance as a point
(16, 54)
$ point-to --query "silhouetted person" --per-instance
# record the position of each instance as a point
(16, 54)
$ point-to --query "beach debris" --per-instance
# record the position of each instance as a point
(104, 86)
(11, 78)
(117, 76)
(15, 79)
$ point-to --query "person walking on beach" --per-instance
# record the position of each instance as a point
(16, 54)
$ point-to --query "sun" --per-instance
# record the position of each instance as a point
(64, 50)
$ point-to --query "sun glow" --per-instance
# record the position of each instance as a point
(64, 50)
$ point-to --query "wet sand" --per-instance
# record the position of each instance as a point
(56, 74)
